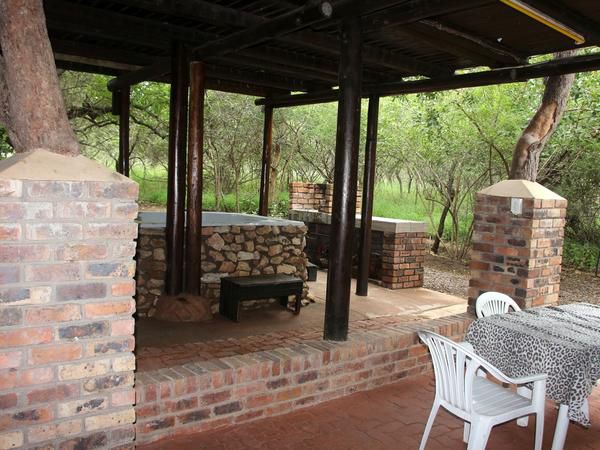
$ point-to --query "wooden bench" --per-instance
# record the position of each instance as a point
(235, 290)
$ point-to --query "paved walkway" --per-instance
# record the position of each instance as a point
(389, 418)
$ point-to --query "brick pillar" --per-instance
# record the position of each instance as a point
(403, 255)
(67, 236)
(518, 254)
(302, 196)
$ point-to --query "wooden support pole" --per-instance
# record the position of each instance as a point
(337, 304)
(193, 245)
(366, 217)
(176, 170)
(263, 208)
(124, 101)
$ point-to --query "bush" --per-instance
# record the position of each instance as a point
(578, 255)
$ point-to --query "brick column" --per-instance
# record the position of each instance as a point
(67, 236)
(301, 196)
(403, 255)
(315, 196)
(519, 254)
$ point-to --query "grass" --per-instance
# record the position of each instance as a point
(389, 201)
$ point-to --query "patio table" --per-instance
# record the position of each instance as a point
(561, 341)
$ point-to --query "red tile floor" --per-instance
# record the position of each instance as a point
(151, 358)
(388, 418)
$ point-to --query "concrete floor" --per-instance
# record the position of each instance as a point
(381, 302)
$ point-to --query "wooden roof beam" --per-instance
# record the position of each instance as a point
(496, 50)
(123, 28)
(415, 11)
(576, 64)
(371, 55)
(561, 12)
(281, 25)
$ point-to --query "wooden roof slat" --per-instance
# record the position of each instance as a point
(501, 52)
(575, 64)
(429, 38)
(563, 13)
(415, 11)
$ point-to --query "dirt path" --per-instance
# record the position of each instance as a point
(452, 277)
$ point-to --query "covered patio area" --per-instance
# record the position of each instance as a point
(70, 374)
(164, 344)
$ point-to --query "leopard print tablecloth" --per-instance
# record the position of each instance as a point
(561, 341)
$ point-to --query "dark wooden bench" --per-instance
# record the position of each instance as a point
(235, 290)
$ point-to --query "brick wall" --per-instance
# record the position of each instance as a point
(518, 254)
(66, 287)
(315, 196)
(208, 395)
(403, 259)
(398, 247)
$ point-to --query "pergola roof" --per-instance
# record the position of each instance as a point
(410, 38)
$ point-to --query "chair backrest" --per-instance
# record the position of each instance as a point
(454, 369)
(490, 303)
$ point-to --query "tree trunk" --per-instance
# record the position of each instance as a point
(275, 159)
(526, 156)
(36, 116)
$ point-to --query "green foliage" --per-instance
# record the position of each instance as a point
(6, 149)
(434, 150)
(582, 256)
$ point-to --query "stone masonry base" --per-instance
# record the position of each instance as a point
(219, 393)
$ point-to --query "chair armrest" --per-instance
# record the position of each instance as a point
(496, 373)
(529, 378)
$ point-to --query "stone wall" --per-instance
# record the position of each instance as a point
(214, 394)
(229, 250)
(398, 247)
(315, 196)
(519, 254)
(67, 236)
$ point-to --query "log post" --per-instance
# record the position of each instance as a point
(366, 218)
(176, 170)
(337, 304)
(124, 103)
(193, 246)
(263, 208)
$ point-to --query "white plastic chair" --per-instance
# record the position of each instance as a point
(481, 403)
(490, 303)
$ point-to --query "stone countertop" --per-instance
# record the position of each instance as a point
(157, 219)
(384, 224)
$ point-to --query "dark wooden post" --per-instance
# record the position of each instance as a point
(263, 208)
(366, 217)
(176, 170)
(123, 162)
(337, 305)
(193, 244)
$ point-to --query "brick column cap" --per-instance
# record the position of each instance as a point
(520, 189)
(43, 165)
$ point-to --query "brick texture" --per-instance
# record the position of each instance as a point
(207, 395)
(519, 255)
(66, 373)
(314, 196)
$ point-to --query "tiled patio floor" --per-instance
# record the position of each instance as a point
(389, 418)
(165, 344)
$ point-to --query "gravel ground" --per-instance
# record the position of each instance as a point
(452, 277)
